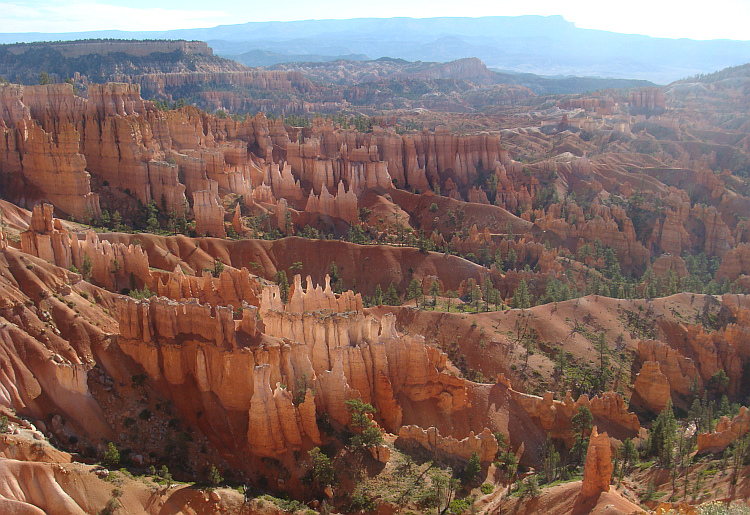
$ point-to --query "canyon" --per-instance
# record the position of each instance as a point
(248, 297)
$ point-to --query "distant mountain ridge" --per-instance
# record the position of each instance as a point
(108, 60)
(524, 44)
(268, 58)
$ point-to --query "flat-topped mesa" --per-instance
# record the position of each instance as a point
(73, 49)
(597, 471)
(113, 265)
(209, 213)
(343, 205)
(232, 287)
(312, 298)
(484, 444)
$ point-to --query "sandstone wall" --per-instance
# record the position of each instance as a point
(112, 264)
(484, 444)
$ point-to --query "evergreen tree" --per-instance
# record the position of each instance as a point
(283, 282)
(661, 438)
(323, 473)
(377, 298)
(473, 469)
(414, 290)
(450, 294)
(434, 290)
(510, 260)
(551, 460)
(604, 373)
(521, 298)
(86, 268)
(367, 434)
(581, 423)
(112, 455)
(214, 477)
(391, 296)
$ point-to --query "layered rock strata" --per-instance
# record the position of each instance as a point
(484, 444)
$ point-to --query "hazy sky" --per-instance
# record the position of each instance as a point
(696, 19)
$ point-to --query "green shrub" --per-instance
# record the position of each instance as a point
(487, 488)
(458, 506)
(111, 456)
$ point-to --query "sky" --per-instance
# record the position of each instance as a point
(694, 19)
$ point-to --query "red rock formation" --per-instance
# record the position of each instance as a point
(339, 355)
(736, 262)
(649, 98)
(343, 205)
(283, 183)
(597, 471)
(667, 263)
(605, 226)
(726, 432)
(652, 387)
(718, 239)
(555, 416)
(311, 299)
(50, 161)
(209, 214)
(484, 444)
(680, 372)
(112, 264)
(478, 196)
(232, 288)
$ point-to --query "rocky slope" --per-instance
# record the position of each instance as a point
(229, 284)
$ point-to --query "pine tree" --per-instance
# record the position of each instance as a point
(521, 297)
(450, 294)
(323, 472)
(434, 290)
(661, 438)
(510, 260)
(473, 469)
(86, 267)
(414, 290)
(604, 374)
(377, 298)
(391, 296)
(551, 460)
(283, 283)
(112, 455)
(581, 424)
